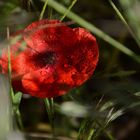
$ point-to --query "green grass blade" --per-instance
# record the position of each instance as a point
(132, 15)
(125, 22)
(90, 134)
(61, 9)
(70, 7)
(43, 10)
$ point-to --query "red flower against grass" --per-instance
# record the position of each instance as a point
(56, 59)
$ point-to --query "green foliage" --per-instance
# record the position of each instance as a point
(125, 22)
(131, 11)
(6, 124)
(87, 112)
(6, 9)
(17, 99)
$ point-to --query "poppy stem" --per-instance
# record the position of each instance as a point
(49, 104)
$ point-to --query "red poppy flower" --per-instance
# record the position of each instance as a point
(56, 59)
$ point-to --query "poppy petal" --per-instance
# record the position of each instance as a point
(55, 59)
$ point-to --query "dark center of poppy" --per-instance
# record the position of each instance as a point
(44, 58)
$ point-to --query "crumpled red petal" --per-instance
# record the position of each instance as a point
(55, 59)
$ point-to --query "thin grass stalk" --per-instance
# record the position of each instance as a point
(103, 129)
(43, 10)
(124, 22)
(69, 8)
(90, 134)
(50, 11)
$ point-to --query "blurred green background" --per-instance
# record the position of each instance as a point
(107, 106)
